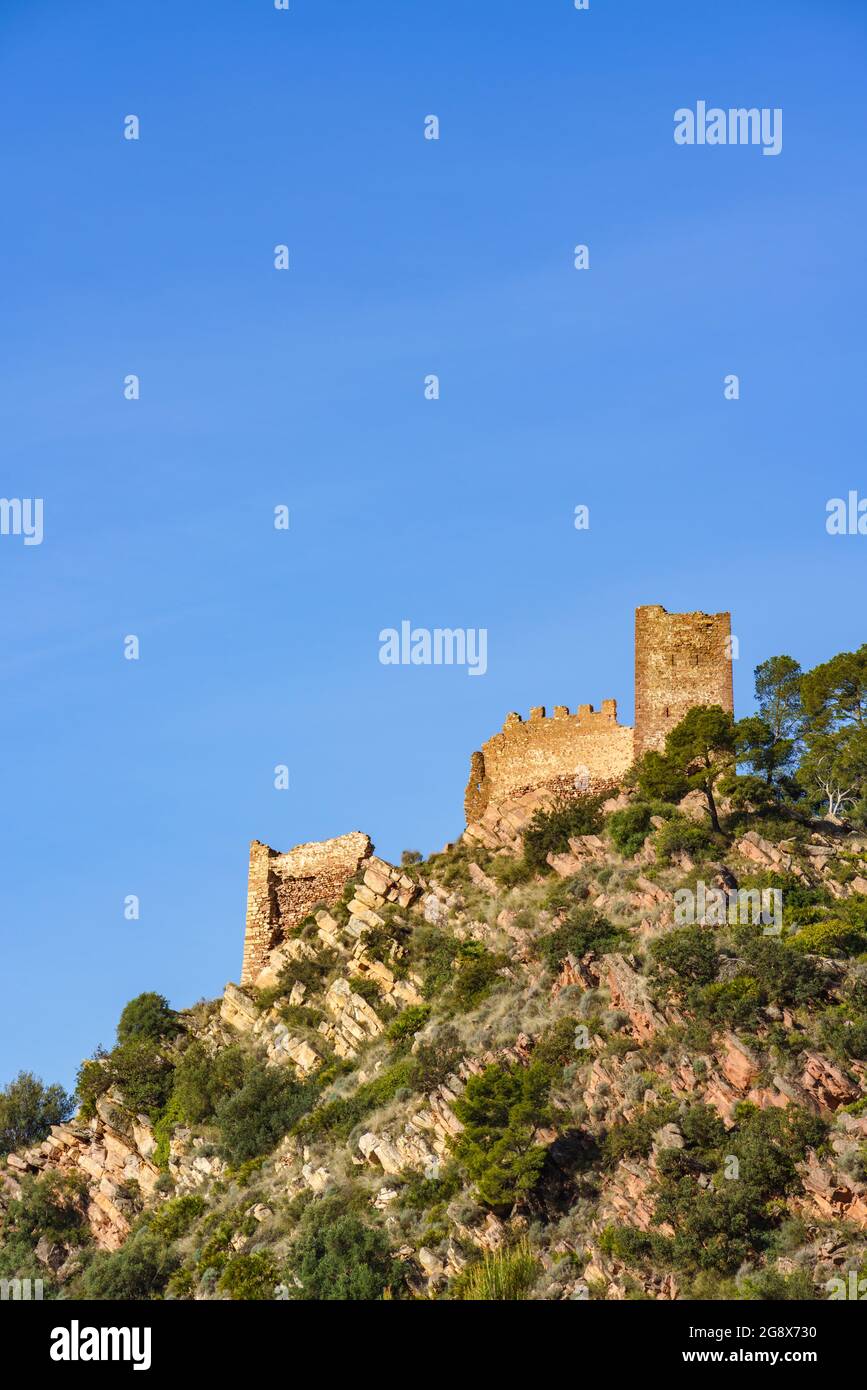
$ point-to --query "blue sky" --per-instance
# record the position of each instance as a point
(305, 388)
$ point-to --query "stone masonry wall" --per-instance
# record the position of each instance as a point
(681, 660)
(282, 889)
(540, 750)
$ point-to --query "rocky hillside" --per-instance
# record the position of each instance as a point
(519, 1069)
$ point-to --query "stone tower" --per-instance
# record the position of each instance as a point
(681, 660)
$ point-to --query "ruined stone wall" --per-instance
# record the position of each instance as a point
(681, 660)
(282, 889)
(540, 750)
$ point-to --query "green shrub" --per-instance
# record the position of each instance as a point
(28, 1109)
(53, 1205)
(182, 1284)
(249, 1277)
(681, 835)
(509, 872)
(164, 1128)
(437, 1057)
(147, 1016)
(844, 1031)
(501, 1109)
(336, 1256)
(686, 956)
(93, 1081)
(769, 1285)
(551, 829)
(137, 1272)
(477, 971)
(634, 1139)
(422, 1194)
(409, 1022)
(828, 938)
(367, 989)
(310, 973)
(733, 1003)
(253, 1119)
(174, 1218)
(630, 827)
(338, 1117)
(202, 1080)
(584, 930)
(783, 976)
(433, 953)
(142, 1073)
(556, 1047)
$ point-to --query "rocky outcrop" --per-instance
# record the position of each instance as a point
(112, 1155)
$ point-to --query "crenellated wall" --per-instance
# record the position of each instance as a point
(530, 753)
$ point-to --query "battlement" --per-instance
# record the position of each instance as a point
(589, 745)
(585, 715)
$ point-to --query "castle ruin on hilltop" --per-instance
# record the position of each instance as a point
(681, 660)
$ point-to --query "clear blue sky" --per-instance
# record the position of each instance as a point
(408, 257)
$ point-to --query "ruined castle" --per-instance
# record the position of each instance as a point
(681, 660)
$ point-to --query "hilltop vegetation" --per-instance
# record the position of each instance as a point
(543, 1079)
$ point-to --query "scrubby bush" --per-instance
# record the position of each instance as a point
(583, 930)
(550, 829)
(53, 1207)
(92, 1081)
(731, 1003)
(510, 871)
(843, 1030)
(634, 1139)
(202, 1080)
(783, 976)
(630, 827)
(769, 1285)
(174, 1218)
(680, 835)
(409, 1022)
(338, 1117)
(337, 1256)
(310, 973)
(433, 953)
(138, 1271)
(147, 1016)
(686, 956)
(477, 971)
(829, 938)
(254, 1118)
(249, 1277)
(437, 1056)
